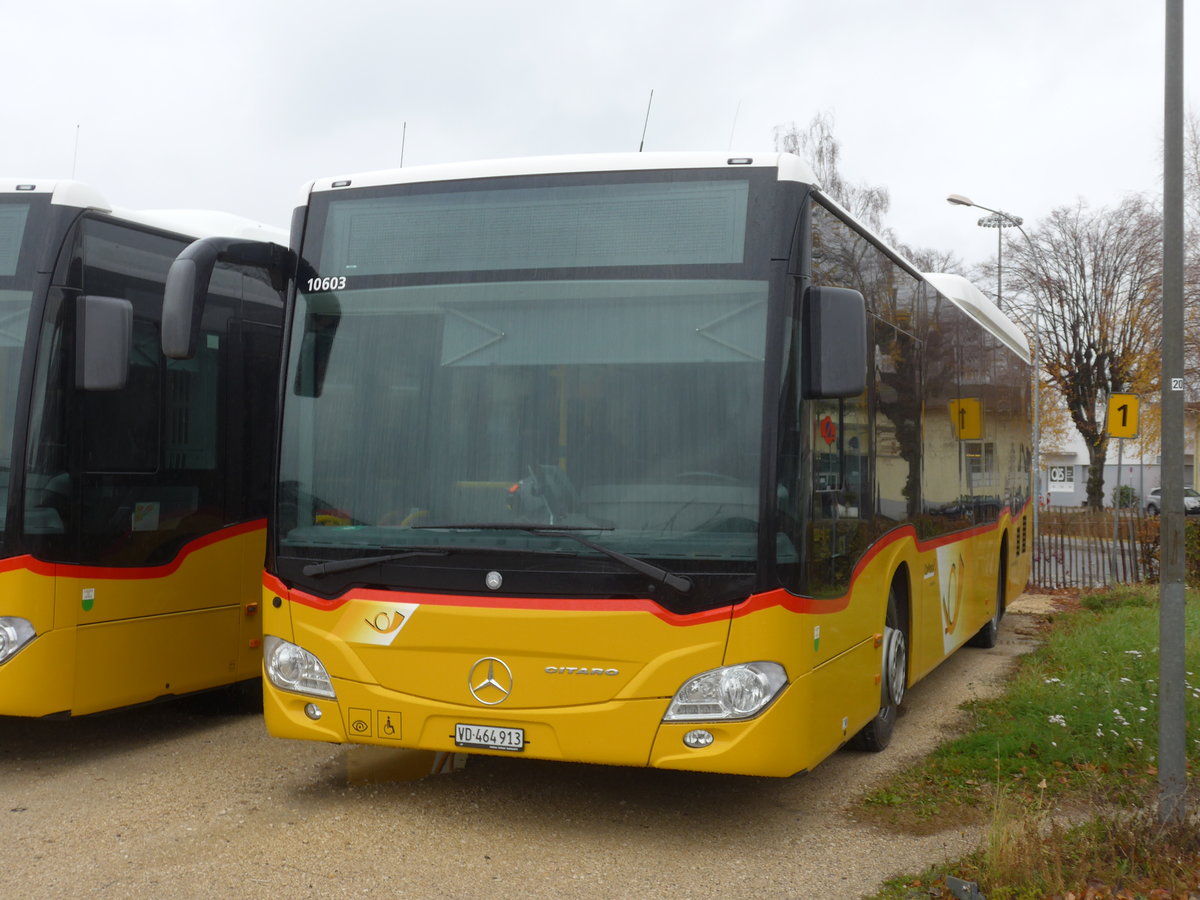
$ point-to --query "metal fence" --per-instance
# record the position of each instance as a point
(1080, 548)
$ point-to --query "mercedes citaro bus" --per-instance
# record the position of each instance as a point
(649, 459)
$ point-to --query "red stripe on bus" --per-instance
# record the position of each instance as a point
(70, 570)
(549, 604)
(755, 603)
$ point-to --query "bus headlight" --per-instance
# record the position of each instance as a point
(732, 692)
(14, 634)
(292, 668)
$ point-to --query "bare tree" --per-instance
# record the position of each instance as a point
(1191, 282)
(857, 264)
(1096, 276)
(927, 260)
(817, 145)
(867, 203)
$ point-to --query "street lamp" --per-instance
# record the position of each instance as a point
(998, 220)
(1001, 220)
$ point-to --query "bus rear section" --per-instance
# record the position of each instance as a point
(136, 486)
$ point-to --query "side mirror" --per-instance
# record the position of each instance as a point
(834, 322)
(104, 334)
(189, 277)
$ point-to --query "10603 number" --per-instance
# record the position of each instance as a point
(327, 283)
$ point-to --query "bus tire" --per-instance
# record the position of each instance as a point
(877, 733)
(987, 636)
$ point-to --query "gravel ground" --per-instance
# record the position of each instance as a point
(168, 802)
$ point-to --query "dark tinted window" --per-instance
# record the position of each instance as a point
(851, 469)
(126, 477)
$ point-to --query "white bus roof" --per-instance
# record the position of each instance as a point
(791, 168)
(205, 223)
(196, 223)
(963, 294)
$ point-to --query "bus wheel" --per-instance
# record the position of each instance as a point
(877, 733)
(987, 636)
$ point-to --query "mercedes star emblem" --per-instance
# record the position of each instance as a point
(490, 681)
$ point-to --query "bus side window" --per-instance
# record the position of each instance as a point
(841, 500)
(150, 456)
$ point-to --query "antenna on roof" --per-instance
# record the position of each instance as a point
(647, 122)
(75, 157)
(733, 127)
(403, 138)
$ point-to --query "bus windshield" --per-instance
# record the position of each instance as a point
(555, 356)
(17, 220)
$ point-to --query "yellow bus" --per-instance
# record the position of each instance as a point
(650, 460)
(135, 488)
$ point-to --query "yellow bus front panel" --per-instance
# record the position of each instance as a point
(591, 680)
(610, 712)
(569, 674)
(615, 733)
(40, 679)
(565, 657)
(817, 713)
(580, 685)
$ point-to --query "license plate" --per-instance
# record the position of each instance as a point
(489, 737)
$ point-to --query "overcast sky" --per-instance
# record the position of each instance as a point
(1023, 105)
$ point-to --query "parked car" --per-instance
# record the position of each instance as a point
(1191, 501)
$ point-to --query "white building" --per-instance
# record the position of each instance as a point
(1064, 473)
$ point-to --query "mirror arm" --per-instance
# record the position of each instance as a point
(188, 280)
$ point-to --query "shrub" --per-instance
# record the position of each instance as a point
(1149, 540)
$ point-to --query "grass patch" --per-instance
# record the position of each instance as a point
(1062, 767)
(1125, 856)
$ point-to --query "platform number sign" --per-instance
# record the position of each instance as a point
(1123, 415)
(966, 415)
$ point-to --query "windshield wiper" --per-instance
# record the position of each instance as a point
(361, 562)
(680, 583)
